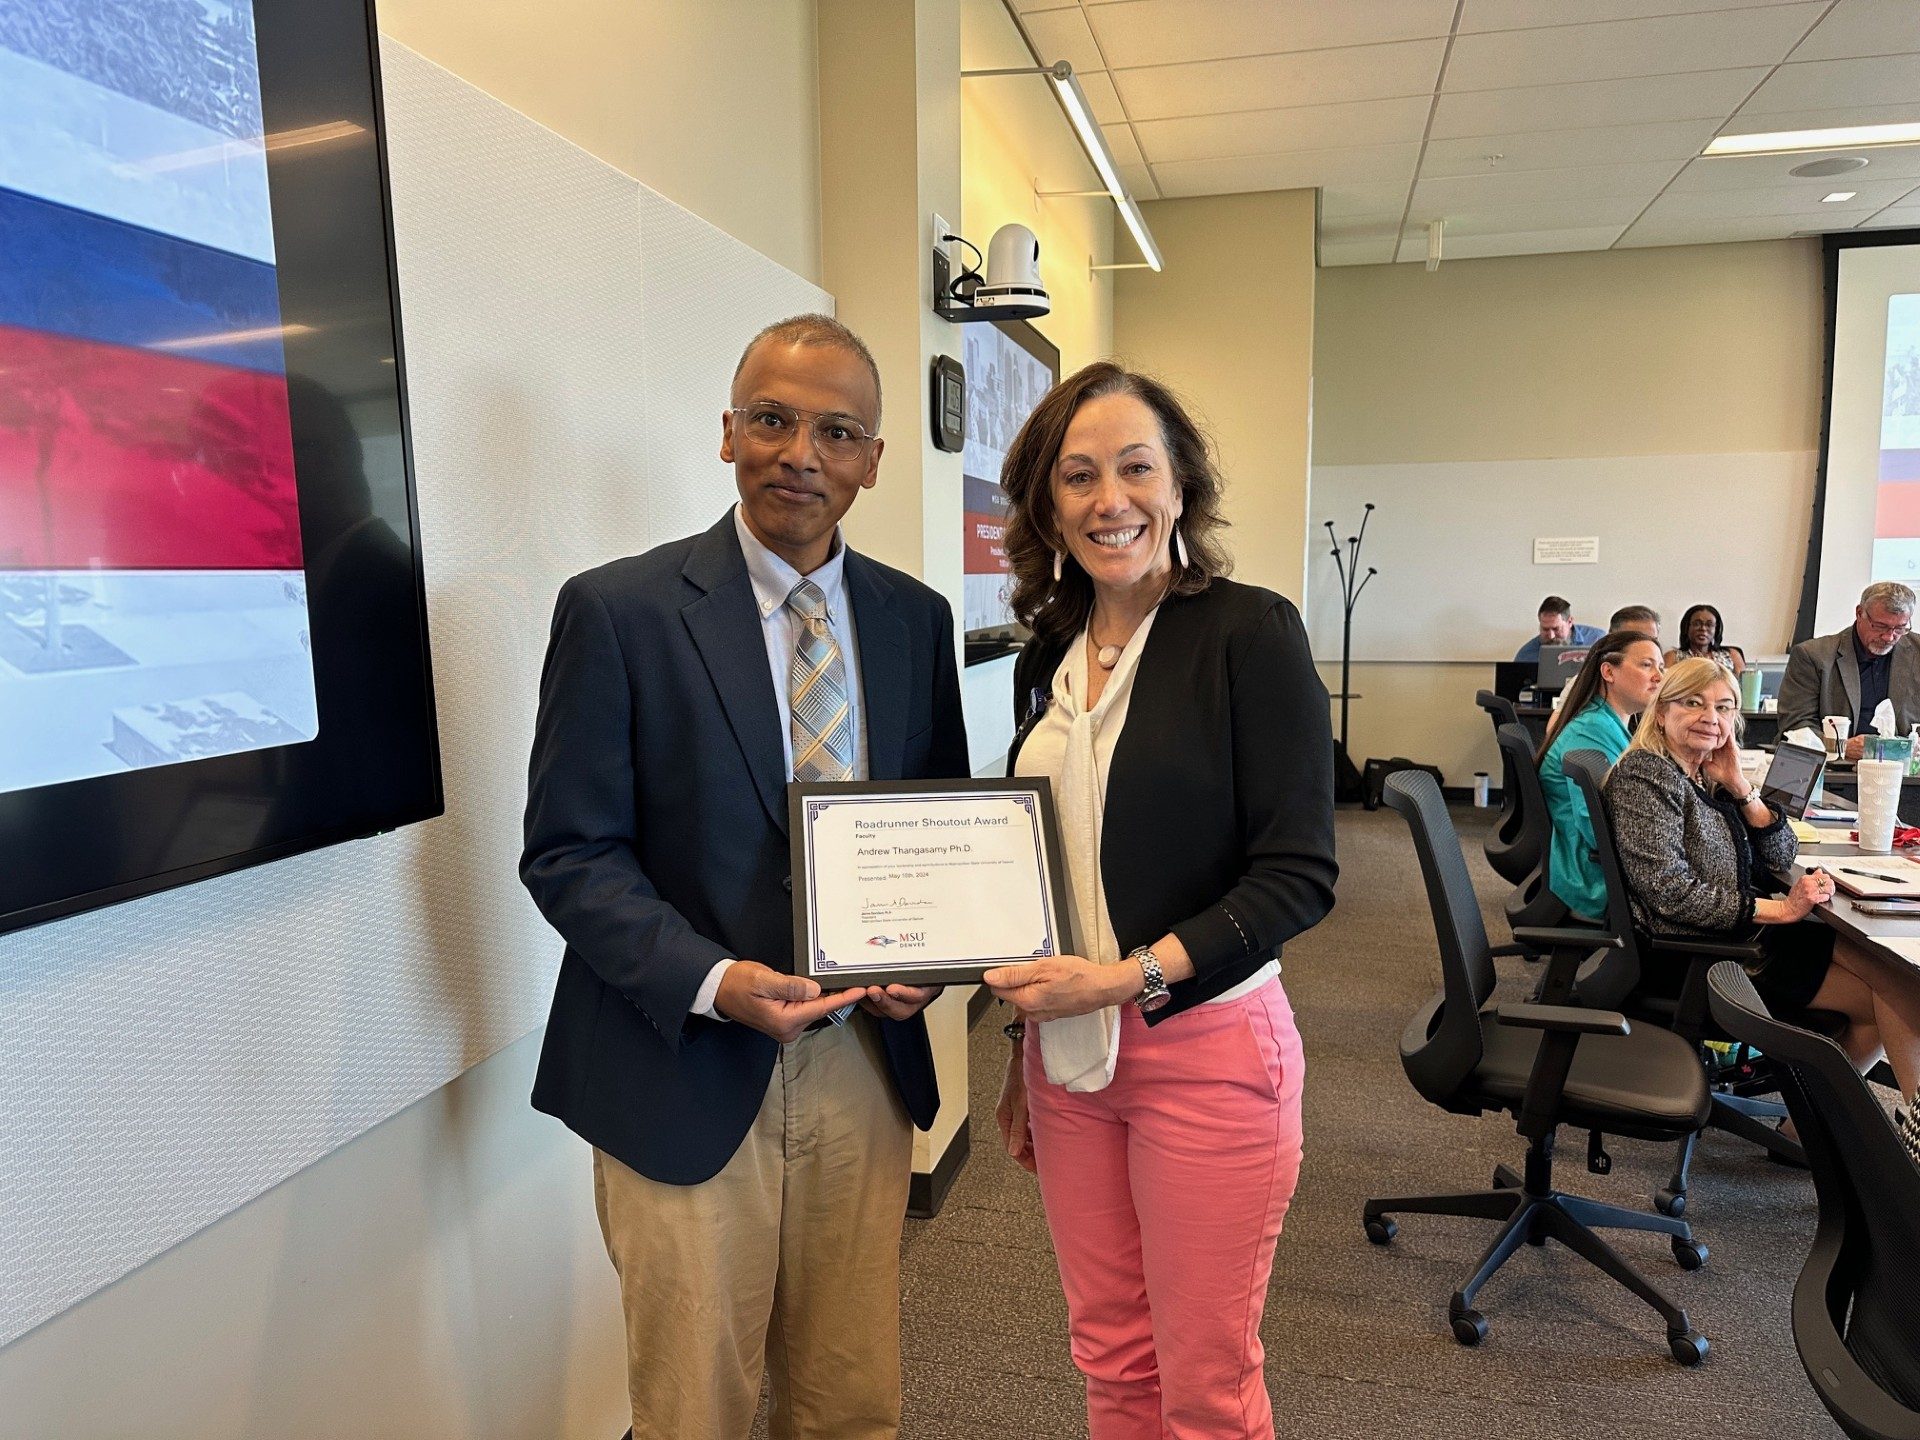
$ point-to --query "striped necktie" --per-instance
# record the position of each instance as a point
(822, 723)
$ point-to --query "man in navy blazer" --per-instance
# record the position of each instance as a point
(751, 1151)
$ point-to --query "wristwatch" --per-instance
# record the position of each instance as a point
(1155, 994)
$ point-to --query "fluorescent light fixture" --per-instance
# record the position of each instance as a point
(1837, 196)
(231, 337)
(1786, 142)
(1080, 115)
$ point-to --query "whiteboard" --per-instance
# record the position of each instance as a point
(1453, 543)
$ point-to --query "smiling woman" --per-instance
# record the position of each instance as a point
(1179, 720)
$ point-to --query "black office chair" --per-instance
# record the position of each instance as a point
(1532, 903)
(1853, 1306)
(1548, 1065)
(1508, 865)
(1613, 978)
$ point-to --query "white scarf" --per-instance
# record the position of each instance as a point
(1080, 1052)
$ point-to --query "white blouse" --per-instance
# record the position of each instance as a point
(1073, 747)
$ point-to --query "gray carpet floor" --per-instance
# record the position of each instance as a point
(1356, 1336)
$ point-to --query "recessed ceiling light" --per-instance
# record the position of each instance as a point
(1845, 137)
(1832, 165)
(1838, 196)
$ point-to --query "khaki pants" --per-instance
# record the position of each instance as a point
(788, 1260)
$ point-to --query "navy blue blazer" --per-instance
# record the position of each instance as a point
(656, 835)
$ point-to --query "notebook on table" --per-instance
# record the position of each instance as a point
(1875, 879)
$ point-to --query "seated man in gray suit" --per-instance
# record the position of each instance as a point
(1874, 659)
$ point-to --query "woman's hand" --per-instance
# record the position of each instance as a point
(1723, 768)
(1813, 888)
(1064, 985)
(1011, 1113)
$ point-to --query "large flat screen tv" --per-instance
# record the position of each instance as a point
(213, 638)
(1010, 367)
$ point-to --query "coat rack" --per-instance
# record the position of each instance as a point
(1346, 775)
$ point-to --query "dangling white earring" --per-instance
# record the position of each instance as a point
(1058, 560)
(1179, 547)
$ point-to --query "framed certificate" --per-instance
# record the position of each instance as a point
(925, 882)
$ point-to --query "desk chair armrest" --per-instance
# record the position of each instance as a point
(1542, 937)
(1708, 949)
(1569, 1019)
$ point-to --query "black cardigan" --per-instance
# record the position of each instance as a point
(1219, 806)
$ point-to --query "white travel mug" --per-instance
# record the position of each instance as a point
(1879, 782)
(1479, 789)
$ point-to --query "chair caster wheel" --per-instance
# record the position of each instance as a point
(1670, 1202)
(1689, 1254)
(1381, 1232)
(1470, 1327)
(1689, 1347)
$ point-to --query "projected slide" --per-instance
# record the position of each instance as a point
(1896, 529)
(1004, 383)
(152, 587)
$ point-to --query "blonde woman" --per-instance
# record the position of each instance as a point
(1700, 850)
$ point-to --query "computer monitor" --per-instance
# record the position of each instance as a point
(1510, 677)
(1558, 665)
(1792, 778)
(1770, 677)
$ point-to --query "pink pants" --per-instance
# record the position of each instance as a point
(1165, 1192)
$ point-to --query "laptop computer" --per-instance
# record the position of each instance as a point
(1792, 778)
(1558, 665)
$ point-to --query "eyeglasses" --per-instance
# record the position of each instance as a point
(1892, 632)
(773, 425)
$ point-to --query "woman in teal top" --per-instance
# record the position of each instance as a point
(1621, 676)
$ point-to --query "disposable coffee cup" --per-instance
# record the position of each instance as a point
(1834, 729)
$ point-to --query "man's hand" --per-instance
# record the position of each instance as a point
(1856, 747)
(782, 1006)
(898, 1002)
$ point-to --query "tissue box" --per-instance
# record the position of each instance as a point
(1890, 747)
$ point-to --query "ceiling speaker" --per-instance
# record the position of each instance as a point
(1830, 165)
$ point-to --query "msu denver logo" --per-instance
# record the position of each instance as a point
(912, 939)
(880, 940)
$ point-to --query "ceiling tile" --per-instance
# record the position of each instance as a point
(1513, 242)
(1524, 187)
(1121, 141)
(1139, 182)
(1670, 231)
(1740, 172)
(1575, 214)
(1302, 127)
(1863, 27)
(1063, 35)
(1797, 199)
(1711, 95)
(1819, 84)
(1343, 204)
(1262, 82)
(1561, 149)
(1027, 7)
(1166, 32)
(1522, 14)
(1622, 49)
(1301, 170)
(1900, 217)
(1104, 99)
(1356, 252)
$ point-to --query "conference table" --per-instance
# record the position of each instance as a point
(1889, 938)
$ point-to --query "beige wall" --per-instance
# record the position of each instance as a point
(712, 105)
(1230, 324)
(1671, 351)
(1695, 350)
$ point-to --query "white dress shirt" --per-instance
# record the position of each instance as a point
(773, 581)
